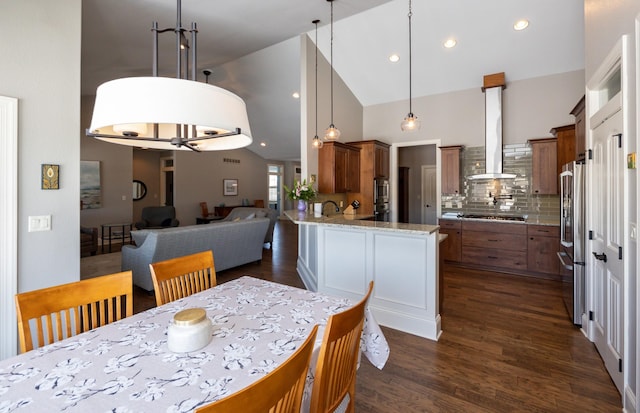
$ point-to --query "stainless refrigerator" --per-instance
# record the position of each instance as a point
(572, 239)
(381, 199)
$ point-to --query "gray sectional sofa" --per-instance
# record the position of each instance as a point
(233, 243)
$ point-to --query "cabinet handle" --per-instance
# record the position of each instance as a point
(493, 240)
(492, 257)
(531, 238)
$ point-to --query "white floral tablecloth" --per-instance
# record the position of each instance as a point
(127, 367)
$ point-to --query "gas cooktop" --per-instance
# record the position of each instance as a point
(495, 217)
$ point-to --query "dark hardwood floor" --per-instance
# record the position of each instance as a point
(507, 346)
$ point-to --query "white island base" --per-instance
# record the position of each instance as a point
(339, 256)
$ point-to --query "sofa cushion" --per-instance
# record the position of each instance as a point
(242, 212)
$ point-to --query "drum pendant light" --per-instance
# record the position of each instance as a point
(411, 121)
(332, 133)
(317, 142)
(170, 113)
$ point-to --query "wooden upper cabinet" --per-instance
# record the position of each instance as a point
(381, 160)
(544, 174)
(450, 159)
(338, 168)
(580, 130)
(566, 144)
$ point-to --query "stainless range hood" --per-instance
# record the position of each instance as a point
(493, 85)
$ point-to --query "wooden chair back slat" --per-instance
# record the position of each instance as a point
(278, 392)
(335, 375)
(180, 277)
(65, 310)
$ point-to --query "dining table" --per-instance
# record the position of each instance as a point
(126, 366)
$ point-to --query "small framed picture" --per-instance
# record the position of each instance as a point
(230, 187)
(50, 176)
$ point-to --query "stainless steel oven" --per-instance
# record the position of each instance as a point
(572, 239)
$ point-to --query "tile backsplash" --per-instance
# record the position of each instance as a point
(513, 196)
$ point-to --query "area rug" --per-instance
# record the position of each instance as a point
(102, 264)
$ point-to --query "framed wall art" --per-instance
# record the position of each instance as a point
(90, 190)
(230, 187)
(50, 176)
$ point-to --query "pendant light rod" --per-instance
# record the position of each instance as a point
(332, 133)
(331, 57)
(316, 142)
(410, 94)
(411, 121)
(316, 21)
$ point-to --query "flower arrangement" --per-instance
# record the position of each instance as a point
(301, 190)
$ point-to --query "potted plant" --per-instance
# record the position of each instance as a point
(301, 192)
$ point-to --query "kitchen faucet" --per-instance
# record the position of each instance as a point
(330, 202)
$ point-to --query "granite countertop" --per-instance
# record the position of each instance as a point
(357, 221)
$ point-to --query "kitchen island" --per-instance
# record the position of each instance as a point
(340, 254)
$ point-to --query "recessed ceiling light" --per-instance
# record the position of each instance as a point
(263, 144)
(521, 24)
(449, 43)
(296, 95)
(394, 58)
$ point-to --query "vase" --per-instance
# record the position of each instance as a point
(302, 205)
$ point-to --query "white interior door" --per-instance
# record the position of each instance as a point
(429, 195)
(607, 239)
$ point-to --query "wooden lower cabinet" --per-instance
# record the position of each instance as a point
(543, 243)
(519, 248)
(451, 247)
(495, 245)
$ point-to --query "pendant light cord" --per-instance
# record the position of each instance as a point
(331, 62)
(316, 23)
(410, 14)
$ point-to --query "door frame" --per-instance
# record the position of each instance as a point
(163, 178)
(9, 222)
(393, 175)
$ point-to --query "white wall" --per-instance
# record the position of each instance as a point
(41, 67)
(198, 178)
(531, 108)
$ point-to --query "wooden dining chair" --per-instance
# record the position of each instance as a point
(204, 210)
(334, 385)
(180, 277)
(65, 310)
(278, 392)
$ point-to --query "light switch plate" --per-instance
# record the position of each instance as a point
(633, 231)
(40, 223)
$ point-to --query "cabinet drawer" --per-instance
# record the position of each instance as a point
(450, 224)
(543, 231)
(510, 242)
(501, 227)
(516, 260)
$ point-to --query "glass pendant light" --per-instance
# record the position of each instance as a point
(411, 121)
(332, 133)
(317, 142)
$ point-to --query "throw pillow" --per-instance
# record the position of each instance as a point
(251, 216)
(236, 219)
(261, 214)
(166, 222)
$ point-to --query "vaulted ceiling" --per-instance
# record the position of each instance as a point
(116, 42)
